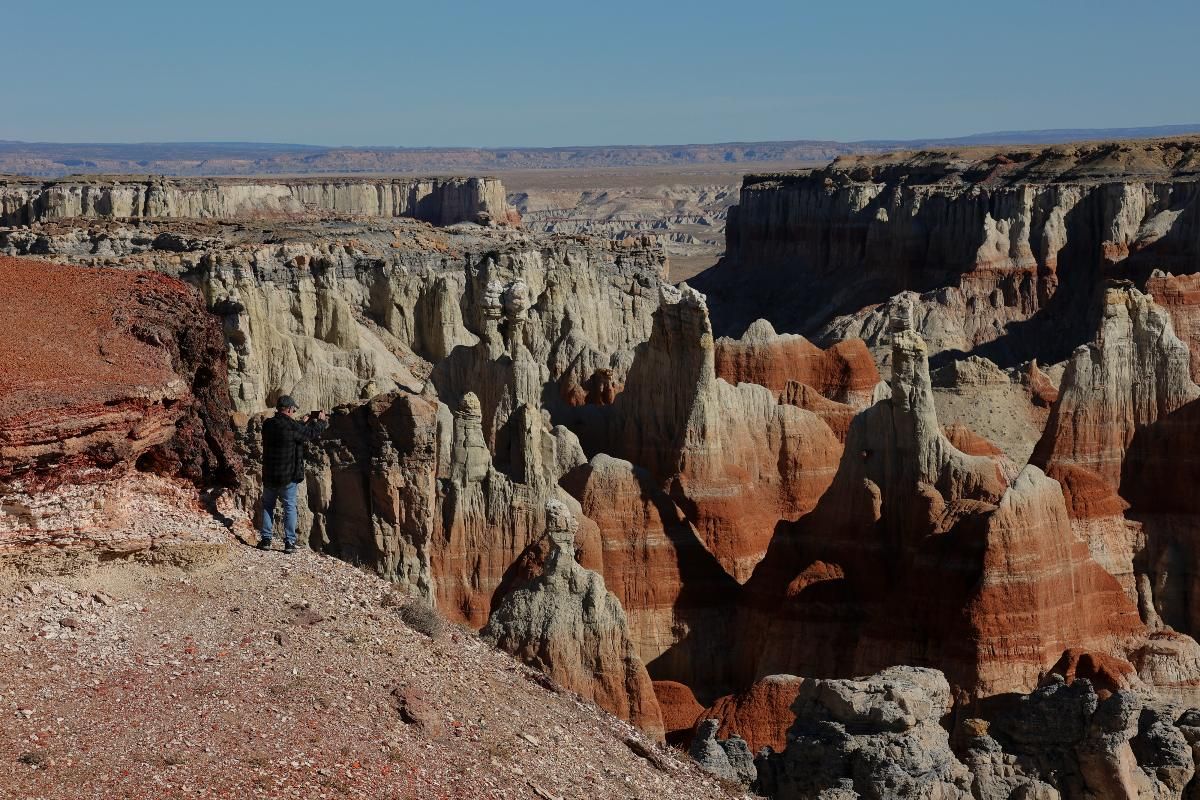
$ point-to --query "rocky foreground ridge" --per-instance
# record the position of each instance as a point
(906, 564)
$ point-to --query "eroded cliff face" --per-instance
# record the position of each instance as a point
(114, 411)
(674, 591)
(734, 459)
(1119, 440)
(843, 373)
(1134, 373)
(990, 244)
(333, 313)
(442, 201)
(916, 554)
(565, 622)
(747, 522)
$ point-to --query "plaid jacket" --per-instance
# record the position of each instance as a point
(283, 441)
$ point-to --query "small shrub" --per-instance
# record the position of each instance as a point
(422, 618)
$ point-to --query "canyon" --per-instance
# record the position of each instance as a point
(683, 207)
(893, 500)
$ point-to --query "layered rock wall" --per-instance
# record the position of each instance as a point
(442, 201)
(114, 410)
(918, 554)
(333, 314)
(565, 622)
(985, 241)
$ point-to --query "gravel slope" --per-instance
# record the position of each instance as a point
(266, 675)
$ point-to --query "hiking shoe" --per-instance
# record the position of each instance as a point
(264, 544)
(289, 548)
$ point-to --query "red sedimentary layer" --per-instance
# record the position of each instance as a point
(845, 372)
(834, 414)
(930, 553)
(969, 441)
(1107, 673)
(103, 368)
(674, 592)
(761, 714)
(112, 386)
(680, 710)
(1180, 296)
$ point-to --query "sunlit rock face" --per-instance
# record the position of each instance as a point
(732, 457)
(1003, 253)
(565, 622)
(114, 410)
(922, 553)
(441, 201)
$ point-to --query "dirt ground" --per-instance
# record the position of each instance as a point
(265, 675)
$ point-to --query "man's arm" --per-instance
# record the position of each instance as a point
(314, 425)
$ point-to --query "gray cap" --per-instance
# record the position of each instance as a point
(286, 401)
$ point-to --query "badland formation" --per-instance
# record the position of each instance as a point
(895, 500)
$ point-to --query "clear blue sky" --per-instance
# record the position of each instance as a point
(542, 73)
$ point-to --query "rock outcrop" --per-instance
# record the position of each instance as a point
(1135, 372)
(680, 710)
(733, 458)
(409, 488)
(761, 715)
(567, 624)
(489, 518)
(1063, 740)
(1002, 249)
(1179, 295)
(729, 759)
(113, 390)
(883, 737)
(674, 592)
(844, 373)
(1119, 431)
(876, 737)
(442, 201)
(921, 553)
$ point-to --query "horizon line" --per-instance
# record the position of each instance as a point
(1165, 129)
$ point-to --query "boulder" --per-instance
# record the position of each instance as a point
(729, 759)
(875, 737)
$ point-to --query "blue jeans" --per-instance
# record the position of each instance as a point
(272, 495)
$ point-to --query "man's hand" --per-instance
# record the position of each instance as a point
(318, 415)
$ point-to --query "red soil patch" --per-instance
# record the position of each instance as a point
(67, 335)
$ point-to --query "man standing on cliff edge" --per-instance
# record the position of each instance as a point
(283, 438)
